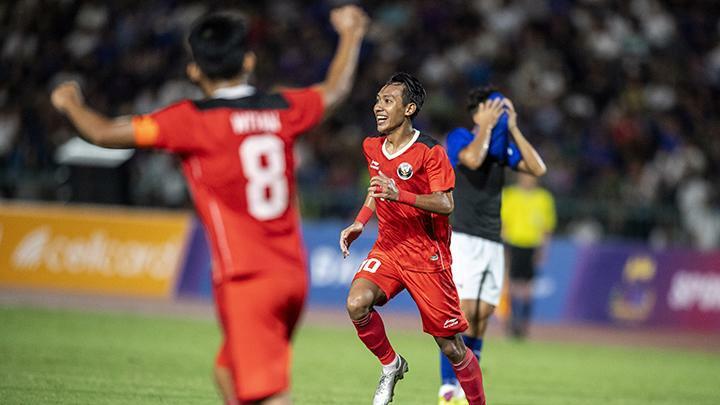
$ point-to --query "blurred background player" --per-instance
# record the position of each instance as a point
(236, 150)
(479, 158)
(411, 191)
(528, 220)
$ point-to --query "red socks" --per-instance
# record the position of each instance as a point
(470, 377)
(371, 331)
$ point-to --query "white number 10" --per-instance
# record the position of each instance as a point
(267, 187)
(370, 265)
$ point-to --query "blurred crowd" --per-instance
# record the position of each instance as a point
(620, 97)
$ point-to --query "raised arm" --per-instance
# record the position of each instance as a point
(439, 202)
(351, 23)
(531, 162)
(485, 118)
(92, 126)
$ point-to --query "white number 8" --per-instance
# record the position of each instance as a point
(264, 205)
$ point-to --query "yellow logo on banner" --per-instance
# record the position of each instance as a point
(91, 249)
(633, 299)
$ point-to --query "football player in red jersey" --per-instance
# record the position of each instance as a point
(411, 192)
(236, 151)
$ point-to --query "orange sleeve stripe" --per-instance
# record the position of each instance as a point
(146, 130)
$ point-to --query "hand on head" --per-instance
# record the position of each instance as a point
(488, 112)
(512, 115)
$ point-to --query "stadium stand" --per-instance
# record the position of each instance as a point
(619, 96)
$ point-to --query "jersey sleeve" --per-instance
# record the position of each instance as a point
(366, 153)
(306, 109)
(457, 140)
(365, 150)
(441, 175)
(170, 128)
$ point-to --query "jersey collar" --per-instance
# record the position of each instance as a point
(401, 151)
(239, 91)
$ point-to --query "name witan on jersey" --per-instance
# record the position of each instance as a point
(255, 121)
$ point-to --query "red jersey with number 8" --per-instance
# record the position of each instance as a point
(237, 156)
(418, 240)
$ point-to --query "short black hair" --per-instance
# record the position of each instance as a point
(413, 90)
(479, 95)
(218, 42)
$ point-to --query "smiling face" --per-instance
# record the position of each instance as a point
(389, 109)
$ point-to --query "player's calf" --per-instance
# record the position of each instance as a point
(466, 367)
(452, 347)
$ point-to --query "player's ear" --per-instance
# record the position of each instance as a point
(249, 62)
(193, 72)
(410, 109)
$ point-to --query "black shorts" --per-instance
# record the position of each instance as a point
(522, 263)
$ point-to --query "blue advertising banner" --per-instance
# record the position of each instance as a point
(553, 281)
(634, 286)
(330, 274)
(195, 278)
(613, 283)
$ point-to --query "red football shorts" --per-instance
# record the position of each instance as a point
(434, 293)
(258, 315)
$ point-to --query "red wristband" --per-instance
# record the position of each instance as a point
(364, 215)
(406, 197)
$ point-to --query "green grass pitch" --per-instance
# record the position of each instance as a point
(65, 357)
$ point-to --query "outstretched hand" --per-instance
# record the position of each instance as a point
(382, 186)
(348, 236)
(66, 94)
(349, 19)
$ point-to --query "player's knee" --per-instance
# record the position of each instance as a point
(471, 316)
(358, 306)
(483, 317)
(486, 310)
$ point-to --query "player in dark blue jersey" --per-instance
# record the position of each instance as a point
(479, 157)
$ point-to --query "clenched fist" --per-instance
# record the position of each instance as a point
(349, 19)
(66, 94)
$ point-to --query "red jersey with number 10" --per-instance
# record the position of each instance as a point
(237, 156)
(417, 239)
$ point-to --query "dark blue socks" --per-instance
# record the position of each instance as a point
(474, 344)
